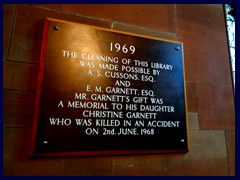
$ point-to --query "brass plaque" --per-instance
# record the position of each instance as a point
(105, 92)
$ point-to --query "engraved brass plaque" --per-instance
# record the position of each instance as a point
(105, 92)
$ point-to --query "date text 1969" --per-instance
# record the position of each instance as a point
(124, 48)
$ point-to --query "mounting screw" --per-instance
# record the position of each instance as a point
(56, 28)
(177, 48)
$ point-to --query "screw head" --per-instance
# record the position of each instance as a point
(56, 28)
(177, 48)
